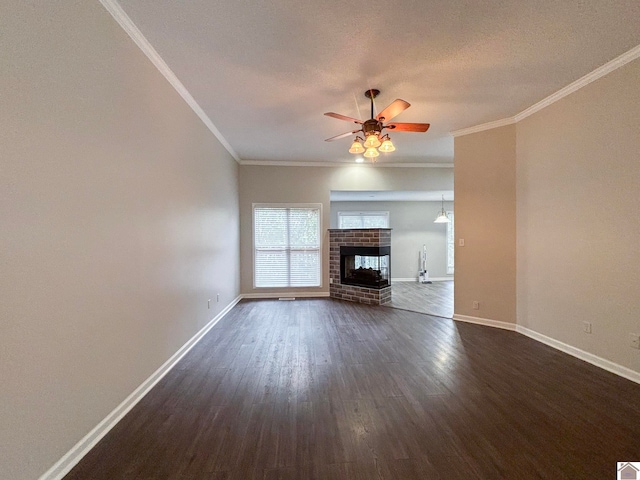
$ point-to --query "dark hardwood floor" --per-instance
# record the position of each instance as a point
(431, 298)
(324, 389)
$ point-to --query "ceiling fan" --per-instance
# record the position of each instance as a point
(372, 129)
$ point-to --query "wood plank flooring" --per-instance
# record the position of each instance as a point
(324, 389)
(431, 298)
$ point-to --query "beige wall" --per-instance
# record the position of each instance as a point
(413, 227)
(578, 175)
(485, 198)
(260, 184)
(118, 221)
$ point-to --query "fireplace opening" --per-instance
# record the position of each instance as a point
(365, 266)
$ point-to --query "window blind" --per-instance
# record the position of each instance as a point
(287, 246)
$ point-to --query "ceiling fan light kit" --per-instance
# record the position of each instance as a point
(387, 146)
(371, 153)
(356, 146)
(372, 141)
(375, 142)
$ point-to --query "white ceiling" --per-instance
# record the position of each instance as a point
(391, 196)
(265, 72)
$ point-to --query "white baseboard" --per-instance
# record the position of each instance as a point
(581, 354)
(605, 364)
(485, 321)
(80, 449)
(286, 295)
(415, 279)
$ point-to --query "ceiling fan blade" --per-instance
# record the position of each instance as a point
(395, 108)
(408, 127)
(343, 117)
(342, 135)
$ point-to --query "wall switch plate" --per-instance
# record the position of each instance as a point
(217, 297)
(208, 304)
(461, 242)
(634, 340)
(331, 280)
(586, 327)
(476, 305)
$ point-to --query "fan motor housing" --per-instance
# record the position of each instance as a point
(372, 127)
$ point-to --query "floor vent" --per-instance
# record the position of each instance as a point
(287, 298)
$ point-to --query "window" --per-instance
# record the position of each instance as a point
(450, 244)
(286, 241)
(363, 220)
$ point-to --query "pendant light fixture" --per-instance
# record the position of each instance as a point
(442, 215)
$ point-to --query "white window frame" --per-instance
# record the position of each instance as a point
(450, 239)
(317, 206)
(361, 215)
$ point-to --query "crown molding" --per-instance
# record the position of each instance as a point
(268, 163)
(599, 72)
(120, 16)
(136, 35)
(484, 126)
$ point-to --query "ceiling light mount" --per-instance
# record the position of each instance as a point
(372, 93)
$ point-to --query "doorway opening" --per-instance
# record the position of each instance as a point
(410, 215)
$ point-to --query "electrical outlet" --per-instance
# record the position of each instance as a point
(586, 327)
(461, 242)
(635, 340)
(208, 304)
(476, 305)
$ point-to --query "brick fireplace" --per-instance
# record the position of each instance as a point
(360, 265)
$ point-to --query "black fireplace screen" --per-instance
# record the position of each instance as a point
(365, 266)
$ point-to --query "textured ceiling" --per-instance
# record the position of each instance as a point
(265, 72)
